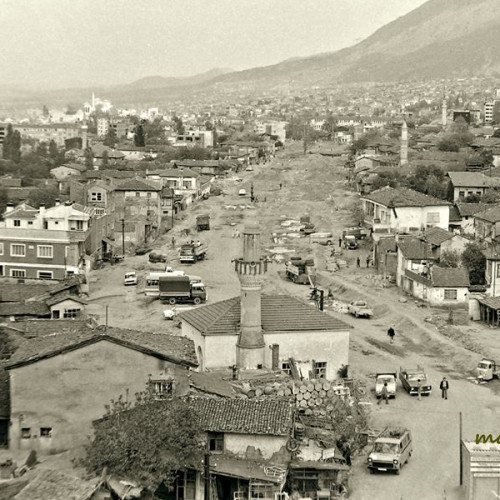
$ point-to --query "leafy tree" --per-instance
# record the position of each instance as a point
(179, 126)
(139, 140)
(45, 197)
(496, 133)
(147, 441)
(390, 178)
(448, 144)
(4, 198)
(110, 138)
(490, 196)
(195, 153)
(449, 258)
(89, 158)
(105, 159)
(45, 111)
(472, 198)
(209, 125)
(474, 260)
(428, 180)
(12, 144)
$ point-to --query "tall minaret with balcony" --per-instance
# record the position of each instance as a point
(251, 269)
(404, 145)
(444, 113)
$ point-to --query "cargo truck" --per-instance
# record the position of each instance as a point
(192, 252)
(298, 270)
(203, 222)
(174, 289)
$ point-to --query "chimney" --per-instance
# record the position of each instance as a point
(68, 203)
(404, 145)
(9, 207)
(57, 202)
(275, 356)
(41, 211)
(250, 269)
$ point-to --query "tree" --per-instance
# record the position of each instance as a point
(449, 258)
(179, 126)
(390, 178)
(89, 158)
(139, 136)
(110, 138)
(4, 198)
(46, 197)
(496, 133)
(105, 159)
(147, 441)
(12, 144)
(474, 260)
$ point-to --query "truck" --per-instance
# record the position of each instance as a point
(350, 242)
(203, 222)
(360, 309)
(321, 238)
(306, 226)
(410, 380)
(391, 450)
(193, 251)
(360, 233)
(152, 287)
(388, 378)
(487, 369)
(298, 270)
(176, 289)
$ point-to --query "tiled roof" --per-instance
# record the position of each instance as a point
(174, 172)
(470, 209)
(66, 296)
(24, 309)
(279, 313)
(454, 215)
(137, 185)
(19, 292)
(44, 327)
(491, 302)
(401, 197)
(436, 235)
(171, 347)
(244, 416)
(415, 248)
(23, 211)
(471, 179)
(490, 214)
(449, 276)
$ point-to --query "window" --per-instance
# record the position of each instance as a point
(162, 388)
(137, 194)
(216, 441)
(286, 368)
(17, 223)
(71, 313)
(45, 432)
(148, 195)
(1, 248)
(17, 250)
(45, 251)
(30, 223)
(433, 217)
(18, 273)
(450, 294)
(461, 194)
(95, 196)
(319, 369)
(79, 225)
(186, 184)
(45, 275)
(25, 432)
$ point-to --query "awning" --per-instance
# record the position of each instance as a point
(247, 469)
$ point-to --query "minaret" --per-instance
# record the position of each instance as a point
(84, 136)
(250, 269)
(404, 145)
(444, 113)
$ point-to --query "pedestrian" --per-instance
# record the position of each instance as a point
(444, 386)
(391, 334)
(358, 262)
(340, 242)
(419, 389)
(173, 242)
(281, 185)
(367, 261)
(384, 395)
(347, 454)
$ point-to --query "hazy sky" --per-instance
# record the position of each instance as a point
(56, 43)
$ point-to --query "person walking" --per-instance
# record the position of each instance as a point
(358, 262)
(347, 454)
(444, 386)
(419, 389)
(340, 242)
(368, 261)
(384, 395)
(173, 242)
(391, 334)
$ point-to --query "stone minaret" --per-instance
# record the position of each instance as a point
(444, 113)
(84, 136)
(404, 145)
(250, 269)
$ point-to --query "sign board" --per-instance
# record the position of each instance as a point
(328, 453)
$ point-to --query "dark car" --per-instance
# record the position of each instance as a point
(142, 250)
(157, 257)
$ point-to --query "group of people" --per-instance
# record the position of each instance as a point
(368, 261)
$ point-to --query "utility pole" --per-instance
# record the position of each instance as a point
(123, 237)
(460, 452)
(207, 475)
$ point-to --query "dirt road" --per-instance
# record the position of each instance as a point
(317, 186)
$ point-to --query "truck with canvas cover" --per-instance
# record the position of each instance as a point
(176, 289)
(299, 270)
(203, 222)
(193, 251)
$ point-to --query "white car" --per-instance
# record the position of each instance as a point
(169, 313)
(242, 192)
(130, 278)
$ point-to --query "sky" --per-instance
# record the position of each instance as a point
(70, 43)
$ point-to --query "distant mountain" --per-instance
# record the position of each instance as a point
(441, 38)
(157, 82)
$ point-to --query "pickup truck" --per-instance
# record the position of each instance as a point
(410, 380)
(359, 308)
(487, 369)
(381, 379)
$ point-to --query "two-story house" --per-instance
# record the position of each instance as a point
(441, 241)
(463, 184)
(399, 210)
(487, 224)
(43, 243)
(184, 182)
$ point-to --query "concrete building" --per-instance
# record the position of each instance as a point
(61, 383)
(240, 331)
(463, 184)
(481, 470)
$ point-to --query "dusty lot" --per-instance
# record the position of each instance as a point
(317, 186)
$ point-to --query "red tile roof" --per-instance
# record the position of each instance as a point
(436, 235)
(449, 277)
(137, 185)
(415, 248)
(279, 313)
(245, 416)
(401, 197)
(490, 215)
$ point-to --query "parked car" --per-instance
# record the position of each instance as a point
(157, 257)
(350, 242)
(130, 278)
(321, 238)
(391, 450)
(359, 308)
(169, 313)
(388, 378)
(142, 250)
(410, 380)
(242, 192)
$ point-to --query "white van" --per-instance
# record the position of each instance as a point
(321, 238)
